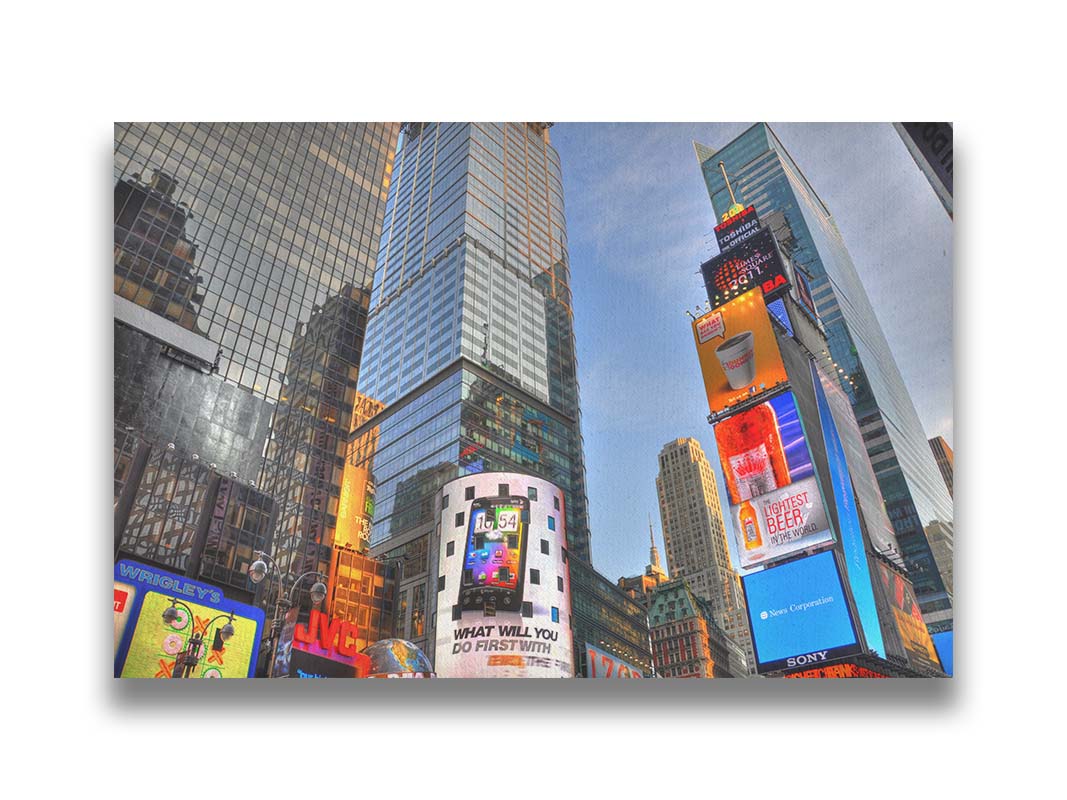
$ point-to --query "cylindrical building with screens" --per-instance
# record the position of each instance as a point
(503, 588)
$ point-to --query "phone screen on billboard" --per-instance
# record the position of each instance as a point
(494, 558)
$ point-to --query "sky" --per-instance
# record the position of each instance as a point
(639, 224)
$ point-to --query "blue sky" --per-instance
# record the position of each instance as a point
(639, 224)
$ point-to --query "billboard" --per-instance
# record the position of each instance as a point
(943, 643)
(327, 647)
(738, 352)
(503, 592)
(737, 228)
(846, 670)
(604, 665)
(754, 263)
(901, 596)
(148, 647)
(849, 527)
(799, 614)
(776, 508)
(355, 509)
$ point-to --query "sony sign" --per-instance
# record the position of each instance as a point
(807, 658)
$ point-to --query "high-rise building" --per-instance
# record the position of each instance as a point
(943, 456)
(930, 144)
(695, 535)
(244, 254)
(470, 339)
(764, 175)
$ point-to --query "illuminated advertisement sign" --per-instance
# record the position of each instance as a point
(283, 644)
(738, 352)
(737, 228)
(848, 521)
(754, 263)
(846, 670)
(150, 647)
(604, 665)
(303, 664)
(355, 509)
(125, 594)
(776, 508)
(329, 640)
(799, 615)
(943, 644)
(909, 619)
(504, 601)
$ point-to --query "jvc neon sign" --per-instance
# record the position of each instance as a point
(333, 639)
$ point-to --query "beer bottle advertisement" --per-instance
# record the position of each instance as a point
(775, 505)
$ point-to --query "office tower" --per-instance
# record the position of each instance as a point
(764, 175)
(470, 341)
(243, 253)
(930, 144)
(178, 512)
(943, 456)
(695, 535)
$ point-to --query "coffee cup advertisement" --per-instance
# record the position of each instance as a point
(738, 352)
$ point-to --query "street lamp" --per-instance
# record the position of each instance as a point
(186, 660)
(258, 571)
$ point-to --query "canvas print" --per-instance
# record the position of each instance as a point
(533, 400)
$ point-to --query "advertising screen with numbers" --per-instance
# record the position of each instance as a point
(503, 590)
(601, 664)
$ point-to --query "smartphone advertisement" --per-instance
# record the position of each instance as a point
(776, 508)
(503, 592)
(738, 352)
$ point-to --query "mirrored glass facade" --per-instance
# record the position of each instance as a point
(470, 330)
(764, 175)
(259, 240)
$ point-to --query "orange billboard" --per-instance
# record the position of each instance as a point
(909, 619)
(738, 352)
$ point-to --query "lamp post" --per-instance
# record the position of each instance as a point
(258, 571)
(189, 658)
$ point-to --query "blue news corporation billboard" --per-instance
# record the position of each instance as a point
(799, 614)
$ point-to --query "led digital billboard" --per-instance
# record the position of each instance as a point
(738, 352)
(754, 263)
(737, 228)
(503, 607)
(149, 646)
(909, 619)
(329, 639)
(943, 644)
(776, 508)
(846, 670)
(799, 614)
(600, 664)
(850, 530)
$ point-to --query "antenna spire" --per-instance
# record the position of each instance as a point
(735, 207)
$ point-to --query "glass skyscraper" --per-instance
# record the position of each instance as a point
(244, 255)
(470, 340)
(763, 174)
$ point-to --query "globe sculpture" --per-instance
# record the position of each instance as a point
(397, 658)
